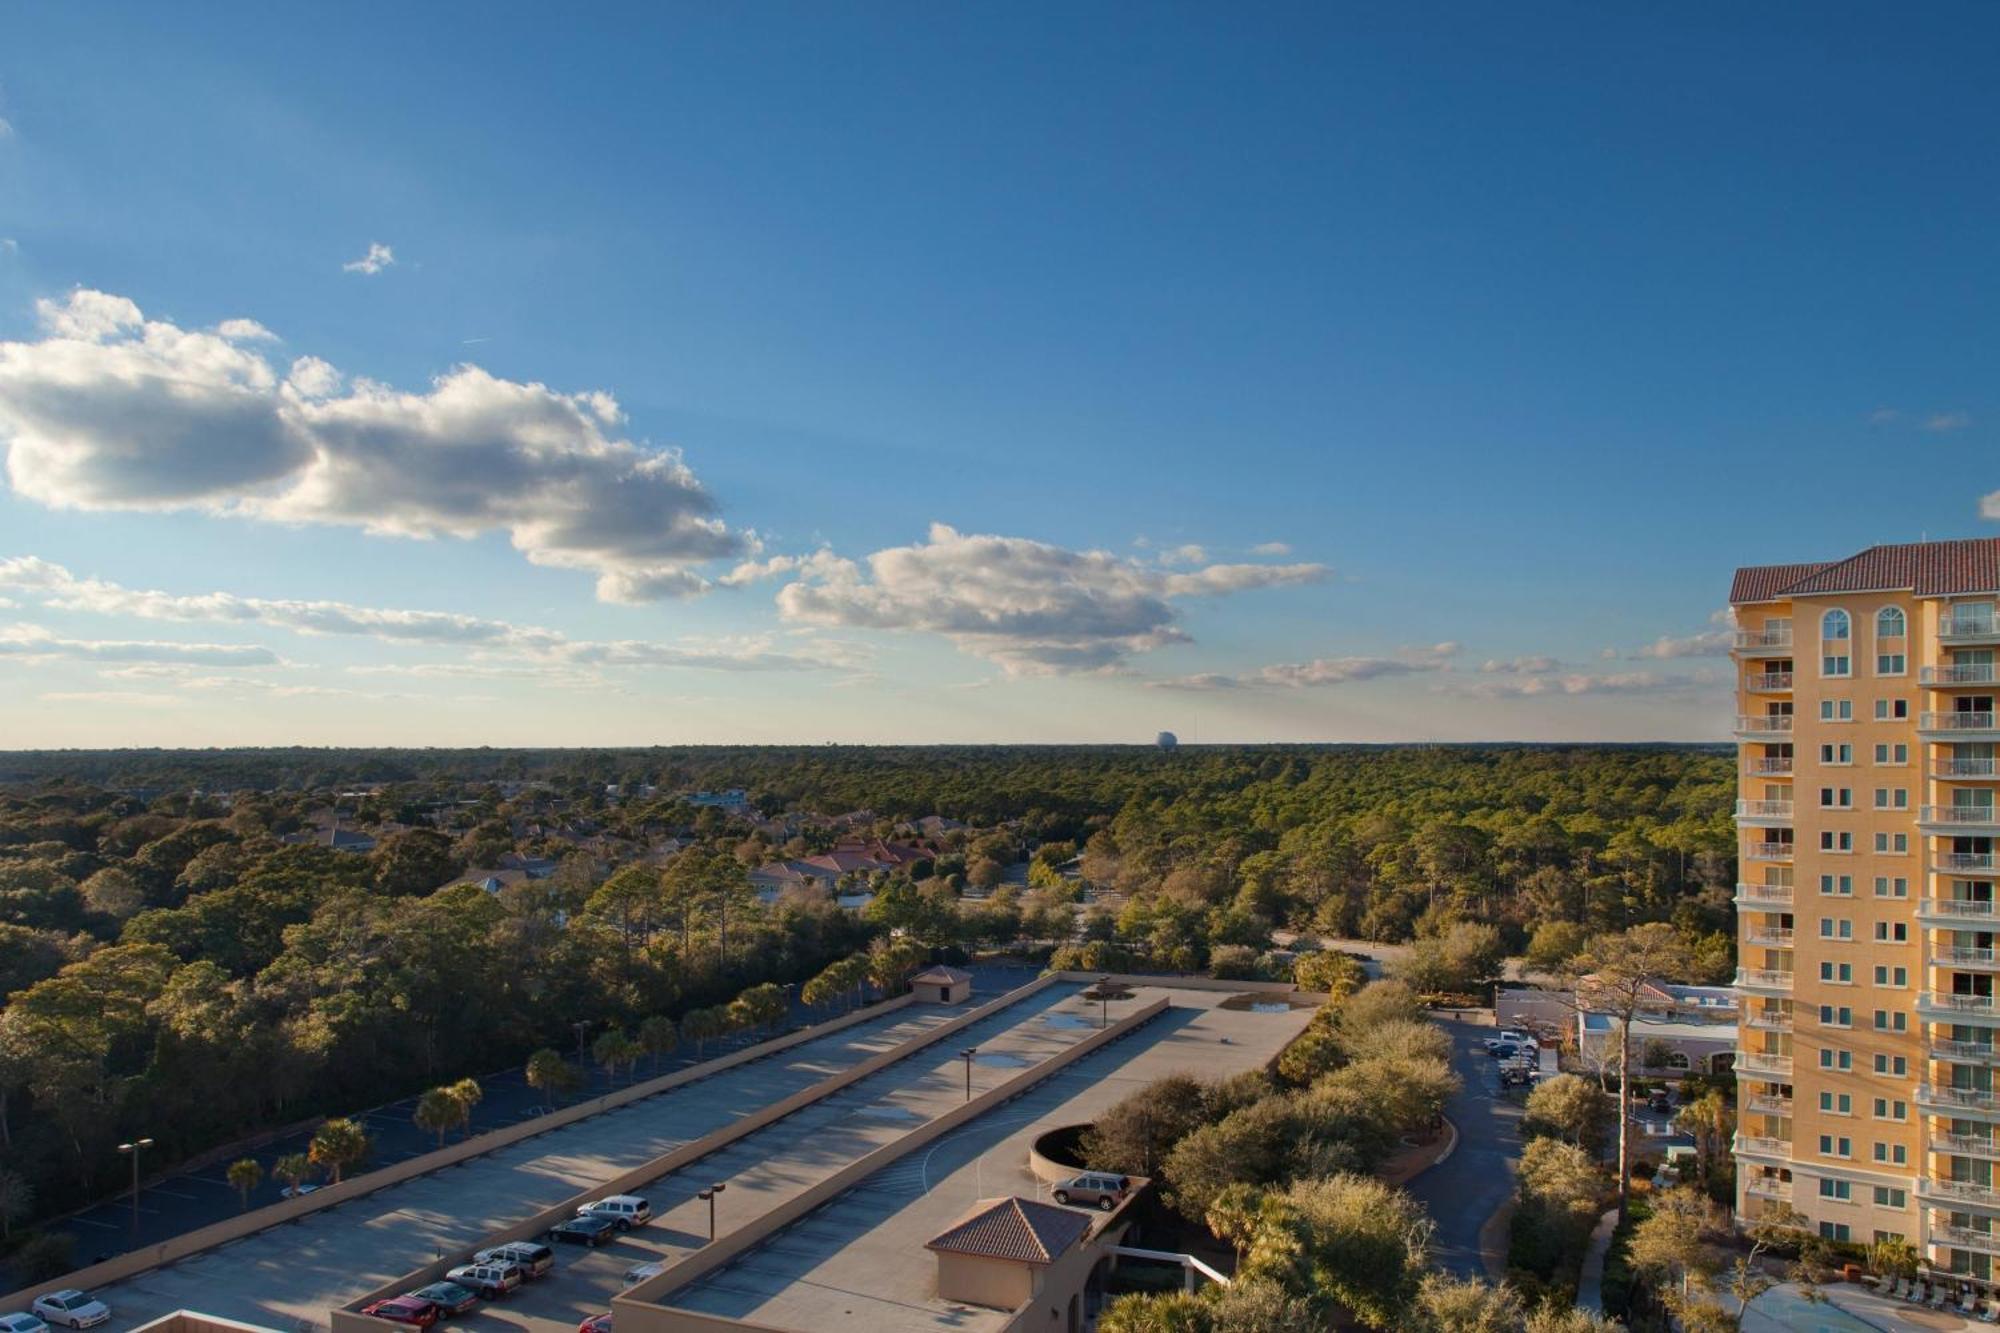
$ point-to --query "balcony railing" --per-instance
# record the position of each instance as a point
(1963, 1052)
(1759, 1062)
(1952, 1006)
(1963, 956)
(1965, 770)
(1969, 629)
(1763, 978)
(1958, 909)
(1962, 861)
(1971, 673)
(1769, 766)
(1765, 1103)
(1768, 682)
(1764, 724)
(1776, 810)
(1964, 1238)
(1763, 1147)
(1762, 640)
(1966, 1145)
(1959, 816)
(1770, 1187)
(1957, 1099)
(1771, 937)
(1955, 721)
(1757, 895)
(1768, 1020)
(1767, 851)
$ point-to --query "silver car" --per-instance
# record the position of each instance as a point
(1094, 1189)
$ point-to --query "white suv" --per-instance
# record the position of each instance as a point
(627, 1210)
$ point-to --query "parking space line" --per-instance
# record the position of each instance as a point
(86, 1222)
(171, 1195)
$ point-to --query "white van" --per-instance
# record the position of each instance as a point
(627, 1210)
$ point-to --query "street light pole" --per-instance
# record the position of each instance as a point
(709, 1194)
(581, 1026)
(966, 1055)
(132, 1150)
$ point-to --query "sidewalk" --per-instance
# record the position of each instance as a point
(1590, 1287)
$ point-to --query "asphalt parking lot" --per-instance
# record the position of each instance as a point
(289, 1276)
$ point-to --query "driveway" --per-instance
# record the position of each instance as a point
(1466, 1189)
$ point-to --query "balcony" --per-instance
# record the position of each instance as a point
(1955, 725)
(1764, 980)
(1957, 913)
(1977, 820)
(1969, 629)
(1765, 1103)
(1966, 770)
(1966, 1145)
(1764, 812)
(1965, 1238)
(1764, 724)
(1962, 861)
(1767, 851)
(1768, 682)
(1769, 639)
(1770, 1187)
(1965, 958)
(1763, 1064)
(1953, 677)
(1769, 766)
(1771, 937)
(1768, 1020)
(1961, 1102)
(1758, 896)
(1751, 1145)
(1948, 1008)
(1963, 1052)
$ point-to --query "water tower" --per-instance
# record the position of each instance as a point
(1167, 741)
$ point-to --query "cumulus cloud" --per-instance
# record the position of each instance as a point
(379, 257)
(1271, 549)
(1573, 683)
(245, 330)
(53, 585)
(1320, 671)
(37, 643)
(1032, 607)
(114, 411)
(1188, 554)
(1519, 666)
(1947, 421)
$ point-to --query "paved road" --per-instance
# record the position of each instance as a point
(1467, 1188)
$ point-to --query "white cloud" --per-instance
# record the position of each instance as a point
(1189, 554)
(112, 411)
(1271, 549)
(53, 585)
(1947, 421)
(379, 257)
(1519, 666)
(35, 642)
(9, 246)
(1708, 643)
(1032, 607)
(6, 128)
(245, 330)
(1320, 671)
(1574, 683)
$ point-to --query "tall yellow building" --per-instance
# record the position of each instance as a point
(1865, 901)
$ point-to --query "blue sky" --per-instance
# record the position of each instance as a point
(1517, 329)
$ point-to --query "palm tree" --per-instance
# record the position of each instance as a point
(466, 1094)
(244, 1175)
(612, 1049)
(437, 1111)
(699, 1025)
(292, 1168)
(549, 1073)
(658, 1037)
(339, 1144)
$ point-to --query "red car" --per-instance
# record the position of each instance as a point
(404, 1310)
(599, 1323)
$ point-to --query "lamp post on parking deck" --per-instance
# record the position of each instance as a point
(966, 1055)
(132, 1150)
(709, 1194)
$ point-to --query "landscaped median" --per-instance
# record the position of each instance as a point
(642, 1309)
(347, 1318)
(123, 1266)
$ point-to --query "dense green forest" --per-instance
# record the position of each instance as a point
(175, 967)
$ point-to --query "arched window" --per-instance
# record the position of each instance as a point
(1889, 623)
(1833, 625)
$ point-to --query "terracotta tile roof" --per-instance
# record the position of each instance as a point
(1013, 1228)
(944, 976)
(1928, 569)
(1764, 583)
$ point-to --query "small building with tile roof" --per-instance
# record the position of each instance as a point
(997, 1254)
(942, 985)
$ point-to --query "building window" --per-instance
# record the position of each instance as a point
(1885, 1196)
(1896, 1065)
(1892, 710)
(1832, 1145)
(1836, 1016)
(1836, 928)
(1892, 976)
(1833, 1058)
(1836, 1105)
(1897, 755)
(1841, 974)
(1834, 1230)
(1891, 1020)
(1836, 798)
(1830, 841)
(1837, 886)
(1889, 623)
(1893, 844)
(1836, 710)
(1891, 664)
(1835, 1189)
(1834, 626)
(1836, 754)
(1892, 932)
